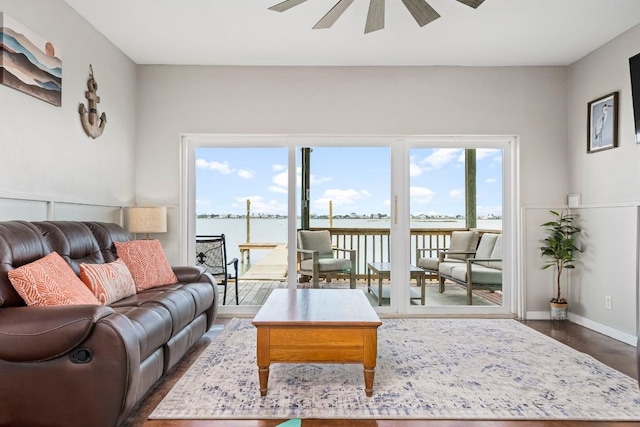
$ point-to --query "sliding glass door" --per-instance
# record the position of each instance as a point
(345, 193)
(384, 202)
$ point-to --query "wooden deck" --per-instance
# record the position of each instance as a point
(273, 266)
(270, 272)
(255, 292)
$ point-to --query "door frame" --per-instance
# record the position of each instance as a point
(400, 209)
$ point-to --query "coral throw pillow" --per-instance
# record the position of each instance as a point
(109, 282)
(147, 263)
(50, 281)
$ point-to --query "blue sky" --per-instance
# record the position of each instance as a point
(356, 180)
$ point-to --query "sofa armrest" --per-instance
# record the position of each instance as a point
(188, 273)
(443, 253)
(31, 334)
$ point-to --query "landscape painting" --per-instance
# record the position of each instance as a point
(28, 62)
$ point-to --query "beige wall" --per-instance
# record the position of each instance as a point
(608, 184)
(45, 152)
(529, 102)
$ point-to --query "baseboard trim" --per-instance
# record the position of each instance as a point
(590, 324)
(604, 329)
(538, 315)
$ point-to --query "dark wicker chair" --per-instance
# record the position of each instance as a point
(211, 253)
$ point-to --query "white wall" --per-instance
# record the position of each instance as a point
(529, 102)
(608, 183)
(46, 156)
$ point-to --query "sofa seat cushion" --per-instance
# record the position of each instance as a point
(147, 262)
(50, 281)
(446, 268)
(203, 295)
(480, 275)
(327, 264)
(433, 264)
(109, 282)
(152, 326)
(179, 303)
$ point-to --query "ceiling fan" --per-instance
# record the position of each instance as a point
(421, 11)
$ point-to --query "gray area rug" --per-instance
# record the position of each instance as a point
(427, 369)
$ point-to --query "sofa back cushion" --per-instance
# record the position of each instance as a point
(485, 247)
(463, 241)
(73, 240)
(317, 240)
(20, 243)
(497, 254)
(106, 233)
(50, 281)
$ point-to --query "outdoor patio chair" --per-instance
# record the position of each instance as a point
(211, 253)
(319, 259)
(461, 246)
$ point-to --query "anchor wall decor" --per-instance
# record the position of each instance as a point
(90, 118)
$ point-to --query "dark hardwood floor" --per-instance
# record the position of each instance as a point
(610, 351)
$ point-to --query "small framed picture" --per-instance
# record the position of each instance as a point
(602, 124)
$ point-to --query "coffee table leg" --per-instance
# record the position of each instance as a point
(263, 373)
(264, 359)
(369, 360)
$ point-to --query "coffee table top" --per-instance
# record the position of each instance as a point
(326, 307)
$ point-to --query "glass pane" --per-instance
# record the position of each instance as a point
(242, 193)
(348, 195)
(442, 183)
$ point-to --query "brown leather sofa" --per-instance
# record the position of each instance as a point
(89, 365)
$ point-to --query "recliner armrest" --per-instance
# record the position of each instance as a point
(188, 273)
(31, 334)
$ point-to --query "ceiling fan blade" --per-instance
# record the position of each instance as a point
(332, 16)
(286, 5)
(472, 3)
(421, 11)
(375, 17)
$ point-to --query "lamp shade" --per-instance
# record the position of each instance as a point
(148, 220)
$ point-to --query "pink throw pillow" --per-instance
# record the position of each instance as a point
(50, 281)
(109, 282)
(147, 263)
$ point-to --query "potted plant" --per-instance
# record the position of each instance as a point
(560, 251)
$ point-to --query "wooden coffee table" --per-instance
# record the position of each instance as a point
(317, 326)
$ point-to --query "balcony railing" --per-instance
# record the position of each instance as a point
(372, 244)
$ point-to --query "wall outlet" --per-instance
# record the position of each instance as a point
(607, 302)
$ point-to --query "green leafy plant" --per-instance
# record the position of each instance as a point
(559, 246)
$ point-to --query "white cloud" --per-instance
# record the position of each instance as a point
(414, 168)
(491, 180)
(339, 197)
(441, 158)
(223, 167)
(483, 153)
(456, 195)
(281, 179)
(421, 195)
(246, 173)
(278, 168)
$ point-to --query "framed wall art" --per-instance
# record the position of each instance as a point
(602, 123)
(28, 62)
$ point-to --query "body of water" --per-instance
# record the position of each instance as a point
(275, 229)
